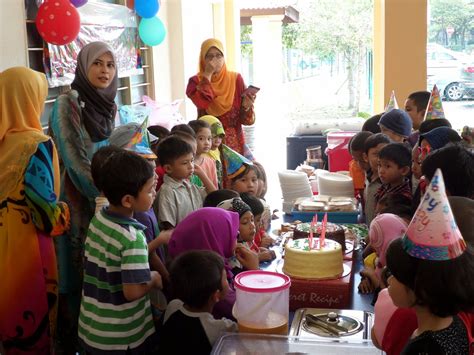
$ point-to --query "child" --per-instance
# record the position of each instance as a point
(214, 198)
(97, 162)
(257, 208)
(397, 204)
(416, 105)
(435, 139)
(383, 229)
(214, 229)
(246, 181)
(358, 166)
(267, 217)
(457, 166)
(372, 124)
(429, 267)
(396, 124)
(117, 277)
(177, 196)
(372, 147)
(218, 135)
(393, 168)
(246, 227)
(202, 129)
(199, 281)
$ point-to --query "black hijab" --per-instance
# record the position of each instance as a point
(98, 105)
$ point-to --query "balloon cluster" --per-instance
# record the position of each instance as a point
(151, 29)
(58, 21)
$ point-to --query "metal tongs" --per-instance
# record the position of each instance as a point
(323, 323)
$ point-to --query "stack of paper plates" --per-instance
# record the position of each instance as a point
(334, 184)
(294, 184)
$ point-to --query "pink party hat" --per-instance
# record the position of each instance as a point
(392, 103)
(435, 107)
(433, 233)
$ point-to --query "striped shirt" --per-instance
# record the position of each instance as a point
(115, 254)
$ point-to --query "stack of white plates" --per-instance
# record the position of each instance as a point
(294, 184)
(334, 184)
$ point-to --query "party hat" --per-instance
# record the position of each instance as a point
(234, 162)
(140, 142)
(216, 126)
(433, 233)
(392, 103)
(435, 106)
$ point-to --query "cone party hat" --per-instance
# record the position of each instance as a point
(433, 233)
(435, 106)
(140, 143)
(392, 103)
(233, 161)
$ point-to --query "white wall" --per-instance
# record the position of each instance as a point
(12, 34)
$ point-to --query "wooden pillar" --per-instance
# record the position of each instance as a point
(400, 35)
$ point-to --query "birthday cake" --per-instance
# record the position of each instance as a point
(333, 231)
(315, 263)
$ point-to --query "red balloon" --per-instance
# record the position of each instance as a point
(58, 22)
(131, 4)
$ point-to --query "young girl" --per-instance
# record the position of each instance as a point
(214, 229)
(202, 130)
(218, 135)
(383, 229)
(429, 267)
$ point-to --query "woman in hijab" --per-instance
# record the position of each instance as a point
(29, 216)
(215, 229)
(80, 123)
(218, 92)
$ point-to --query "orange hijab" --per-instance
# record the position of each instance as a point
(223, 84)
(22, 95)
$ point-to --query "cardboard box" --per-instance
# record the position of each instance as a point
(334, 293)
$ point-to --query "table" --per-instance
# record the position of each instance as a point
(358, 301)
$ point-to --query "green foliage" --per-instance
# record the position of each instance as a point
(364, 115)
(246, 36)
(456, 13)
(326, 30)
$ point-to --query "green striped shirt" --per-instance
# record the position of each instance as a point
(115, 254)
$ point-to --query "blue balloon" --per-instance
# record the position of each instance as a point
(152, 31)
(147, 8)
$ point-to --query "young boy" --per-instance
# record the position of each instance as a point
(394, 168)
(177, 196)
(396, 124)
(372, 147)
(416, 105)
(117, 277)
(199, 281)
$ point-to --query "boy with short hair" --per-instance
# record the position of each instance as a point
(358, 167)
(393, 169)
(372, 147)
(396, 124)
(177, 197)
(117, 276)
(199, 281)
(416, 105)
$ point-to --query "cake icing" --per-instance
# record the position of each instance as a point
(333, 231)
(317, 263)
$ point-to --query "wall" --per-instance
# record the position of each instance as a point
(12, 34)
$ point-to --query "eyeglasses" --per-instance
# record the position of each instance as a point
(212, 56)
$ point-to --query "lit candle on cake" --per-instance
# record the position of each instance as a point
(322, 237)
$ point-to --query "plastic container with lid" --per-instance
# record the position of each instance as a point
(262, 302)
(338, 150)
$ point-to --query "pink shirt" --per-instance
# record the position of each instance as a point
(209, 166)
